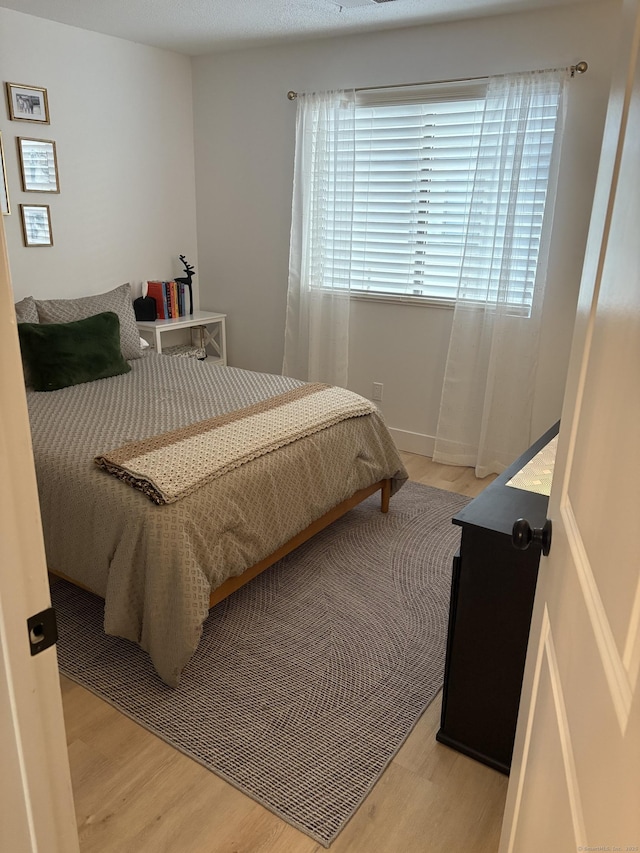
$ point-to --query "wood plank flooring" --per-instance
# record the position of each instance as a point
(135, 794)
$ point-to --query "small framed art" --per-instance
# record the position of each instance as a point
(38, 165)
(5, 207)
(36, 224)
(27, 103)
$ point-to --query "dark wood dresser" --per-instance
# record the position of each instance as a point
(492, 593)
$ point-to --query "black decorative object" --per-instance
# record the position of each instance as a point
(144, 307)
(190, 272)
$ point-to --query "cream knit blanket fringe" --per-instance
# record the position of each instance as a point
(168, 466)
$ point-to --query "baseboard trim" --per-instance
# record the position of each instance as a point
(413, 442)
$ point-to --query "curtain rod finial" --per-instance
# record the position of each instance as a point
(579, 68)
(292, 95)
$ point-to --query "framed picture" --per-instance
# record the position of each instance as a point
(36, 224)
(38, 165)
(5, 207)
(27, 103)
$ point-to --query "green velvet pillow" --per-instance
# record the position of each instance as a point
(61, 354)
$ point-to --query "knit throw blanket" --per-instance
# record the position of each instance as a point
(168, 466)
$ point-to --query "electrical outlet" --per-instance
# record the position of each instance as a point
(376, 392)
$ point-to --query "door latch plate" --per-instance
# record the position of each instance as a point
(43, 630)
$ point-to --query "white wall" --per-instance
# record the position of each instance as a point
(244, 134)
(121, 116)
(122, 120)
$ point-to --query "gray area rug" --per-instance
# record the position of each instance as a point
(309, 679)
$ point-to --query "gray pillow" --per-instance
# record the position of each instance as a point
(26, 311)
(117, 300)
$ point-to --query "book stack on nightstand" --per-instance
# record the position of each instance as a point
(208, 335)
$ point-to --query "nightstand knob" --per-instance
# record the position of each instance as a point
(522, 535)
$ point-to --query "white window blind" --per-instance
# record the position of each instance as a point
(417, 165)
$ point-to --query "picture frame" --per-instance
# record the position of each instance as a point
(27, 103)
(5, 206)
(38, 165)
(36, 225)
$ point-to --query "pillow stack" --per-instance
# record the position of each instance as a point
(60, 347)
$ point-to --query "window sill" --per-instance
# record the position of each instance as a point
(421, 301)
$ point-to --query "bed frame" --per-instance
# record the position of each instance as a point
(234, 583)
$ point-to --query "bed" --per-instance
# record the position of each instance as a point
(161, 567)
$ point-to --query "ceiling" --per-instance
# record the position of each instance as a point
(204, 26)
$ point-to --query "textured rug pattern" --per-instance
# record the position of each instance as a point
(308, 680)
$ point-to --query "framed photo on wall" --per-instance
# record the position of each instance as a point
(38, 165)
(27, 103)
(5, 207)
(36, 224)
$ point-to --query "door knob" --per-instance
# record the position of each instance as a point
(522, 535)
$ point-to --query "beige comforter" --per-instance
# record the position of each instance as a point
(155, 566)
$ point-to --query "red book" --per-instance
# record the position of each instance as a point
(155, 290)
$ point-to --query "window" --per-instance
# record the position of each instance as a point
(418, 164)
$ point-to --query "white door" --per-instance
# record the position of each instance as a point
(36, 805)
(575, 780)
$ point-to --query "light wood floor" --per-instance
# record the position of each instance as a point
(134, 793)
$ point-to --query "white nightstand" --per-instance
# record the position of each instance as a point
(209, 328)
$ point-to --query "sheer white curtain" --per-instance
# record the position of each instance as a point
(487, 398)
(317, 323)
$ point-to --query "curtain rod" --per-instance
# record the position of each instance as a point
(578, 68)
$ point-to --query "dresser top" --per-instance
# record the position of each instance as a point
(499, 505)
